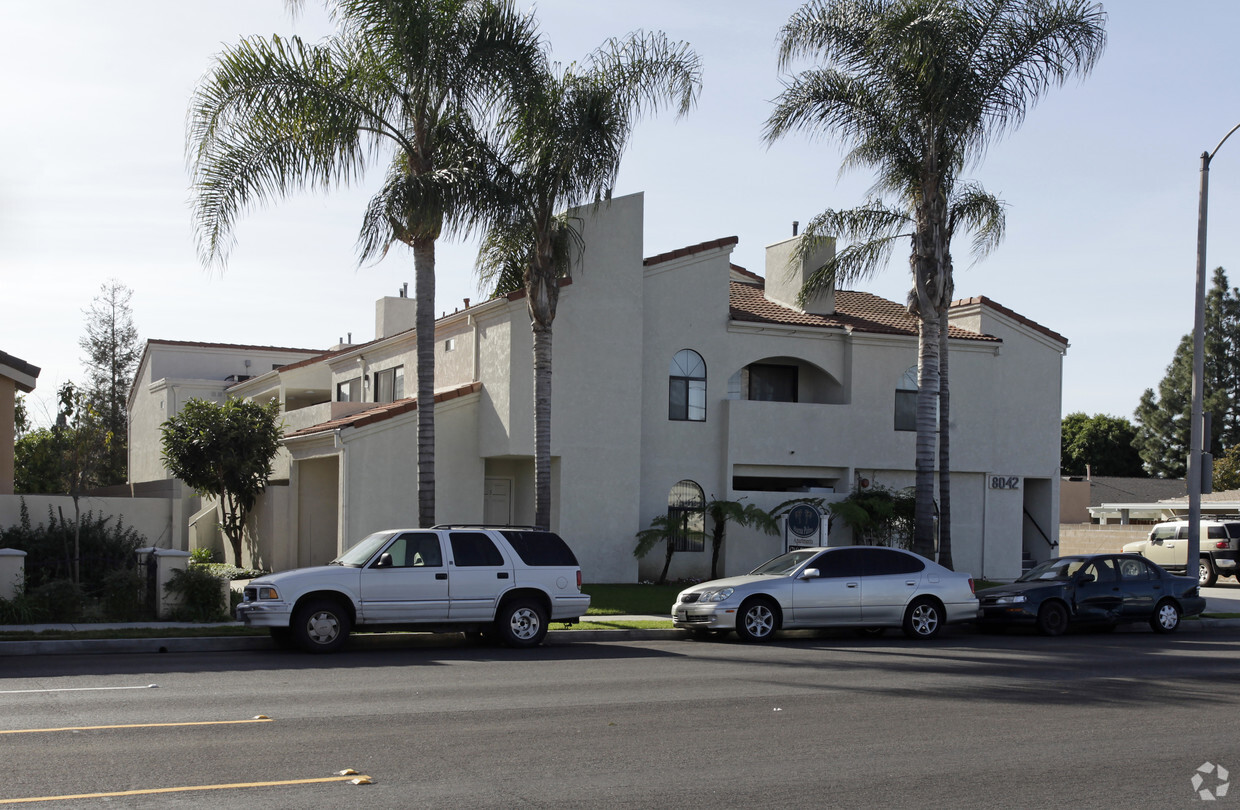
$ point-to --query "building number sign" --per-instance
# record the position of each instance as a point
(1005, 482)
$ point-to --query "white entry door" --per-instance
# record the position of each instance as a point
(497, 502)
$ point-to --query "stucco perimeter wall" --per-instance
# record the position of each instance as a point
(1077, 538)
(159, 520)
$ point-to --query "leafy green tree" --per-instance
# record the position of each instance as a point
(565, 135)
(1163, 418)
(1099, 445)
(21, 417)
(224, 451)
(112, 354)
(917, 90)
(720, 512)
(405, 82)
(877, 516)
(1227, 470)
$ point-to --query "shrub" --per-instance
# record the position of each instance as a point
(18, 610)
(201, 556)
(60, 600)
(123, 597)
(202, 595)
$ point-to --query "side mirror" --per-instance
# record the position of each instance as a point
(810, 573)
(384, 561)
(1085, 579)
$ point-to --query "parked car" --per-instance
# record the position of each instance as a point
(1100, 589)
(1219, 547)
(505, 582)
(865, 587)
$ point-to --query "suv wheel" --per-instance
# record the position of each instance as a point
(1206, 575)
(321, 626)
(521, 623)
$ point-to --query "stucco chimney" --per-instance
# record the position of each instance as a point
(785, 277)
(393, 315)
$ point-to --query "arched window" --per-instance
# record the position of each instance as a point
(906, 401)
(686, 396)
(686, 509)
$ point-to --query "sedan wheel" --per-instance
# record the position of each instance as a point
(756, 620)
(1052, 619)
(923, 619)
(1166, 617)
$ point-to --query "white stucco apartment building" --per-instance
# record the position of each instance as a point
(674, 375)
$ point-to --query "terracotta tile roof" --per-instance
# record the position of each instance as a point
(858, 311)
(690, 250)
(382, 411)
(1016, 316)
(743, 273)
(199, 345)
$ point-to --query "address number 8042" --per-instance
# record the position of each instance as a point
(1005, 482)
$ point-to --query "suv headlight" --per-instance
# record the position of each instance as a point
(1011, 600)
(716, 595)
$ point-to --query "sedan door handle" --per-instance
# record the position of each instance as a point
(912, 583)
(441, 576)
(852, 584)
(502, 575)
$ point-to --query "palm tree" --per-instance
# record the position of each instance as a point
(566, 134)
(411, 79)
(721, 511)
(917, 90)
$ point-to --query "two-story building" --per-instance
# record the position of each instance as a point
(677, 378)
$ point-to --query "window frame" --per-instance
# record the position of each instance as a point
(686, 388)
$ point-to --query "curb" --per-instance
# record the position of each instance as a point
(156, 646)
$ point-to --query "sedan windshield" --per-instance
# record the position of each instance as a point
(1059, 570)
(359, 554)
(784, 564)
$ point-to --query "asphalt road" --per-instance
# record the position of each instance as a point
(1086, 720)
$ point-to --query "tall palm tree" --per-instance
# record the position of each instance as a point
(566, 134)
(917, 90)
(411, 80)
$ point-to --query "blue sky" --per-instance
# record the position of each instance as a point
(1101, 182)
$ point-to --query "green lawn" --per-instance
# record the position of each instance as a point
(619, 600)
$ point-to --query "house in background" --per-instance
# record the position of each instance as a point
(16, 376)
(677, 378)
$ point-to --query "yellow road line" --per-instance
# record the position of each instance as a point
(133, 725)
(149, 791)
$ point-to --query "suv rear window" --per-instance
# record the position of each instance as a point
(540, 548)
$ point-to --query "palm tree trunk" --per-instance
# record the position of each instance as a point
(542, 424)
(424, 323)
(945, 500)
(927, 424)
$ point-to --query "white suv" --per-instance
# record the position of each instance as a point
(1219, 546)
(507, 583)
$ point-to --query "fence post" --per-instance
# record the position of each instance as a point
(12, 572)
(166, 561)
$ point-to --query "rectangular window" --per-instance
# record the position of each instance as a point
(390, 384)
(449, 345)
(686, 401)
(906, 410)
(349, 390)
(771, 383)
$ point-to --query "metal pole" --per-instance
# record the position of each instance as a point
(1194, 426)
(1199, 318)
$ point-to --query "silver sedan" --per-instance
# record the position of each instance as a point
(864, 587)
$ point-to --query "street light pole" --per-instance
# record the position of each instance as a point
(1195, 428)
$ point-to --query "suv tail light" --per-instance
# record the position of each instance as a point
(1221, 544)
(578, 579)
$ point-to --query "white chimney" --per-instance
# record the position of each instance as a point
(785, 276)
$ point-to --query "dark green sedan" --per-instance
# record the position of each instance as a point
(1097, 589)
